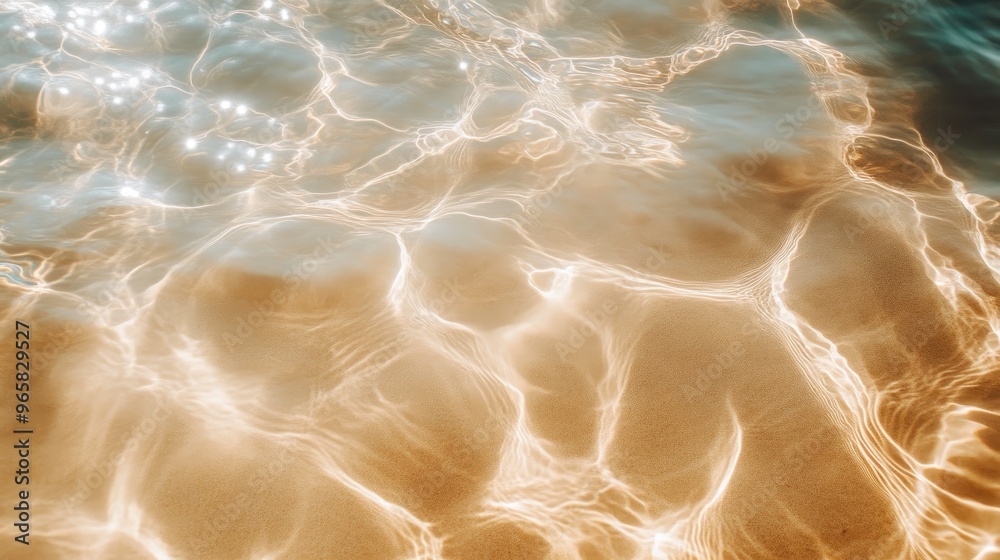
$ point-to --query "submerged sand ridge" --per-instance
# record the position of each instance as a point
(470, 281)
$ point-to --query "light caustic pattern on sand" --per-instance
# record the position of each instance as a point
(464, 280)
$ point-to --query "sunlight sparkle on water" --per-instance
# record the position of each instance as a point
(566, 302)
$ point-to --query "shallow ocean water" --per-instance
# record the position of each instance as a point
(560, 279)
